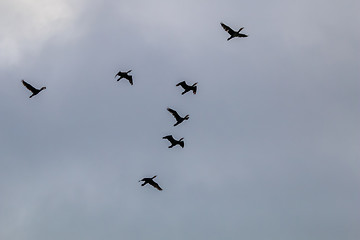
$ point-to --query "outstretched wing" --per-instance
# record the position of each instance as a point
(174, 113)
(182, 84)
(228, 29)
(130, 79)
(170, 138)
(155, 185)
(28, 86)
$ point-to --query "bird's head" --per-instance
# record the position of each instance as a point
(194, 84)
(42, 88)
(181, 139)
(154, 177)
(186, 117)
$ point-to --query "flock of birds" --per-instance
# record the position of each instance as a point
(178, 118)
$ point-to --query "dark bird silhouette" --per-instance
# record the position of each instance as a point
(232, 32)
(125, 75)
(187, 88)
(32, 89)
(174, 142)
(151, 182)
(177, 116)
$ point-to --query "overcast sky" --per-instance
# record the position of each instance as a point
(271, 146)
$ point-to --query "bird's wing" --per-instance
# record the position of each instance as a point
(130, 80)
(170, 138)
(227, 28)
(28, 86)
(155, 185)
(182, 84)
(174, 113)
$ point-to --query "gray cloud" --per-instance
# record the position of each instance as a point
(271, 146)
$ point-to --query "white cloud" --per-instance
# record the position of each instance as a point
(26, 25)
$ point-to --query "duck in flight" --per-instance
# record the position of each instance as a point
(34, 91)
(125, 75)
(174, 142)
(232, 32)
(187, 88)
(151, 182)
(178, 118)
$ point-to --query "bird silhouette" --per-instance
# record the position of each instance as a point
(174, 142)
(125, 75)
(232, 32)
(187, 88)
(151, 182)
(32, 89)
(177, 116)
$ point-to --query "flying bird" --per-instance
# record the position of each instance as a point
(174, 142)
(151, 182)
(187, 88)
(125, 75)
(177, 116)
(32, 89)
(232, 32)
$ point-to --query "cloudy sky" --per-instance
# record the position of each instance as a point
(271, 146)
